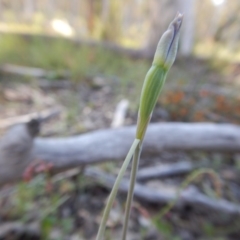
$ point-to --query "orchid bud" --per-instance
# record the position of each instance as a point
(167, 47)
(164, 57)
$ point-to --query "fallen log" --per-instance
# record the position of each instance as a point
(16, 150)
(113, 144)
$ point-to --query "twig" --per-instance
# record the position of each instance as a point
(165, 170)
(189, 196)
(28, 71)
(42, 116)
(21, 70)
(120, 113)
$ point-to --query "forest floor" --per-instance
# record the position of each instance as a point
(196, 91)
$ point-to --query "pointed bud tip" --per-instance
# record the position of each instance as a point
(177, 22)
(167, 46)
(179, 15)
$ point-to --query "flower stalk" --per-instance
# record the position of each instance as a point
(163, 59)
(113, 193)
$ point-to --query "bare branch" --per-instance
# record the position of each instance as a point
(42, 116)
(188, 196)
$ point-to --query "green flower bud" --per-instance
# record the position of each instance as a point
(167, 47)
(164, 57)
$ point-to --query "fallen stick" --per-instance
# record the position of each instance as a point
(165, 170)
(189, 196)
(42, 116)
(120, 113)
(26, 71)
(29, 71)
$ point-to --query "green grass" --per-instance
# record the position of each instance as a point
(59, 54)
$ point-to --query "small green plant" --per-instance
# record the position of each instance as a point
(28, 197)
(166, 230)
(164, 57)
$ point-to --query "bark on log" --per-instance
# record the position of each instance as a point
(113, 144)
(16, 150)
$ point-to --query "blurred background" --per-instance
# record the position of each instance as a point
(79, 65)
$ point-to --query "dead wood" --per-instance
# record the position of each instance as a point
(21, 70)
(165, 170)
(16, 150)
(113, 144)
(120, 113)
(189, 196)
(42, 116)
(33, 72)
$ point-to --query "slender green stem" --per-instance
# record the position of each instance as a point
(113, 193)
(131, 189)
